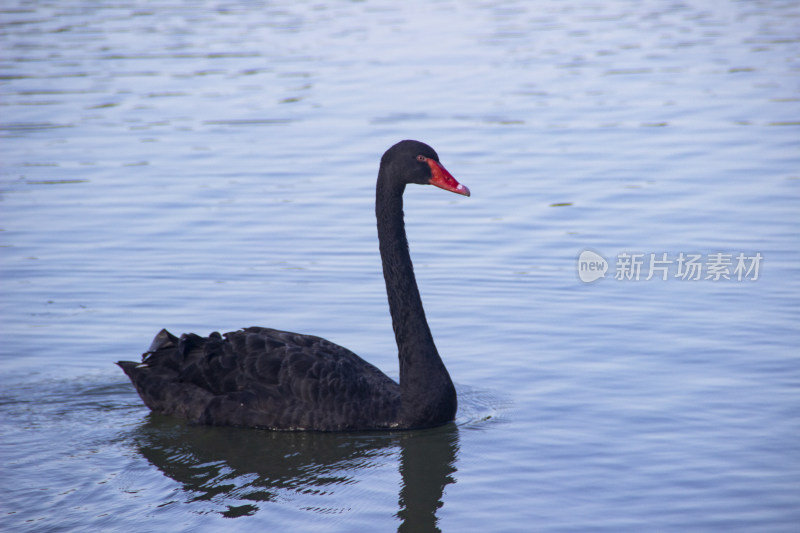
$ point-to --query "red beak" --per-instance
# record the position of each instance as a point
(444, 180)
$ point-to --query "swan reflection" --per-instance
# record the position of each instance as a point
(242, 471)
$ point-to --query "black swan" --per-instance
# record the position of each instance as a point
(265, 378)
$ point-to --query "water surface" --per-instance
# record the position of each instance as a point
(209, 166)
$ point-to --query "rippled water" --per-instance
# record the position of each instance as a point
(207, 166)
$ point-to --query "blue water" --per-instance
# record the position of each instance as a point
(208, 166)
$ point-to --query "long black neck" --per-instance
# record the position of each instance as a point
(427, 393)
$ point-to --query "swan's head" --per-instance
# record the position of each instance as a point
(416, 162)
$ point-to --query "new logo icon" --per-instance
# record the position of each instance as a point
(591, 266)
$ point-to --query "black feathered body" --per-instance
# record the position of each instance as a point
(266, 378)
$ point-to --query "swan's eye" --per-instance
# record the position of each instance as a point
(422, 158)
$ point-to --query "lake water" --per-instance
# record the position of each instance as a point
(207, 166)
